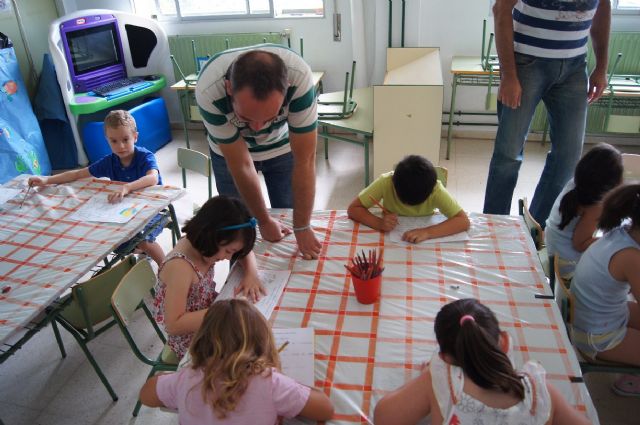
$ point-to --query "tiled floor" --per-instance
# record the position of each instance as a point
(37, 386)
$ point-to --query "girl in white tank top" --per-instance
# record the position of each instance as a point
(471, 380)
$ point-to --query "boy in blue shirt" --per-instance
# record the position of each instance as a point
(136, 166)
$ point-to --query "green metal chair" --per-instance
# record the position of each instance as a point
(329, 110)
(134, 287)
(189, 159)
(86, 307)
(564, 298)
(534, 227)
(537, 234)
(443, 174)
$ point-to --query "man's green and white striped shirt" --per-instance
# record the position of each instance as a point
(298, 114)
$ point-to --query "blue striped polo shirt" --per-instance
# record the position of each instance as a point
(552, 28)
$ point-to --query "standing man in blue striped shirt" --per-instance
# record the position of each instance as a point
(259, 108)
(542, 48)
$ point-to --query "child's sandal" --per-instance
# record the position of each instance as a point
(627, 386)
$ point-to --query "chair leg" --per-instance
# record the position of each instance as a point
(56, 332)
(103, 378)
(147, 312)
(136, 409)
(93, 362)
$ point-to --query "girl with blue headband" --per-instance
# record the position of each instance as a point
(222, 229)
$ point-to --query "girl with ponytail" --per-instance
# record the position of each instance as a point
(574, 215)
(471, 379)
(605, 324)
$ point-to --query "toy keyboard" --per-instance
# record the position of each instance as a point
(121, 87)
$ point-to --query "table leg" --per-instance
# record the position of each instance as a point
(175, 226)
(184, 105)
(454, 85)
(324, 132)
(366, 161)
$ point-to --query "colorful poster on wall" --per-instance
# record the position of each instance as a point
(22, 149)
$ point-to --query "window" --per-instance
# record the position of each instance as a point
(625, 6)
(228, 9)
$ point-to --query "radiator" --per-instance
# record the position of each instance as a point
(209, 44)
(627, 43)
(621, 117)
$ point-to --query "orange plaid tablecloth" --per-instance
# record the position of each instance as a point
(363, 351)
(42, 252)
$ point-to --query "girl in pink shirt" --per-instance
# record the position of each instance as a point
(233, 376)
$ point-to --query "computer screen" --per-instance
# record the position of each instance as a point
(93, 48)
(93, 51)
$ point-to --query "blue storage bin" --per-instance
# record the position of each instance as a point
(154, 130)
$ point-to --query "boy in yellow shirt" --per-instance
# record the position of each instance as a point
(412, 190)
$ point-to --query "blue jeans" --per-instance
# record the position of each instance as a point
(277, 174)
(562, 85)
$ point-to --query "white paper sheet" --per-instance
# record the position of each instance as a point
(273, 281)
(410, 223)
(298, 356)
(99, 209)
(7, 194)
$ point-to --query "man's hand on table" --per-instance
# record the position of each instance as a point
(272, 230)
(308, 244)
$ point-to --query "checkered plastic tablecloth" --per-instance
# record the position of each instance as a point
(363, 351)
(43, 252)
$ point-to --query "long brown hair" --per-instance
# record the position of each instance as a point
(474, 346)
(599, 171)
(234, 343)
(621, 203)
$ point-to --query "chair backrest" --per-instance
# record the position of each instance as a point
(90, 299)
(443, 174)
(128, 296)
(189, 159)
(563, 293)
(537, 234)
(132, 290)
(631, 164)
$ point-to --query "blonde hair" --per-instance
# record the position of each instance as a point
(234, 343)
(118, 118)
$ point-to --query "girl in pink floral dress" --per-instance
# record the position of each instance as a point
(222, 229)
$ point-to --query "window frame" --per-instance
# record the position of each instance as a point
(616, 11)
(178, 17)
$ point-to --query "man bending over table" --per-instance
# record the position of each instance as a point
(259, 108)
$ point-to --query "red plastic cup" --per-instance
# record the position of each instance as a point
(367, 291)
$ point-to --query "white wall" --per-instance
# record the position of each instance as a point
(36, 16)
(320, 51)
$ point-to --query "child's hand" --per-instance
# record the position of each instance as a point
(37, 181)
(389, 222)
(415, 235)
(251, 288)
(116, 197)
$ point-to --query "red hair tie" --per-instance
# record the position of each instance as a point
(465, 318)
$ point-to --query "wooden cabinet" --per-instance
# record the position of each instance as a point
(407, 108)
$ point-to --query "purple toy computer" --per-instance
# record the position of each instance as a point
(93, 51)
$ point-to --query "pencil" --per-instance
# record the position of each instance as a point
(25, 196)
(283, 346)
(375, 201)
